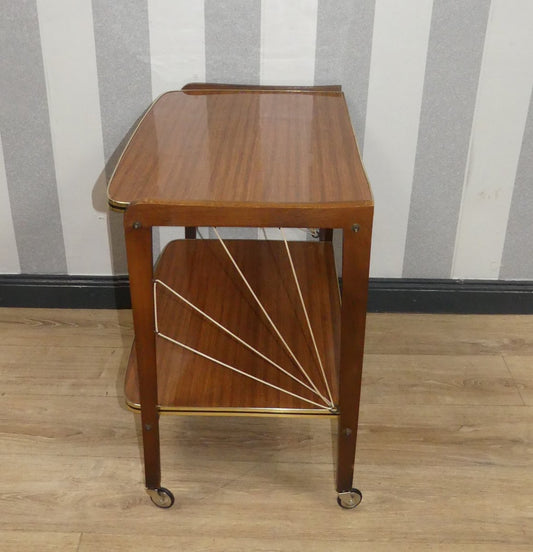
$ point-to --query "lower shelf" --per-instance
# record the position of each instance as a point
(200, 271)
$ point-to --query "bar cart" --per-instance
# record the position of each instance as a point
(246, 326)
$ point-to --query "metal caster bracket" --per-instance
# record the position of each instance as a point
(349, 499)
(161, 497)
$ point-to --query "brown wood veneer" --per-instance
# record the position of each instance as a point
(202, 272)
(249, 146)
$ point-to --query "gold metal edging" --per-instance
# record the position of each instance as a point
(235, 411)
(258, 90)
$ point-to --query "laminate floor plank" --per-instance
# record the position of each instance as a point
(92, 542)
(521, 368)
(448, 334)
(438, 379)
(47, 371)
(30, 541)
(64, 327)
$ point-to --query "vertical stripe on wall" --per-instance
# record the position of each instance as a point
(232, 41)
(517, 261)
(501, 111)
(9, 259)
(399, 48)
(343, 46)
(177, 56)
(76, 131)
(288, 39)
(28, 158)
(124, 72)
(177, 46)
(124, 77)
(452, 70)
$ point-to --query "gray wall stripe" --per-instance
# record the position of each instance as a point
(517, 259)
(232, 41)
(343, 49)
(124, 79)
(27, 143)
(124, 73)
(452, 72)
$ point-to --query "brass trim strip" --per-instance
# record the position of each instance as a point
(198, 91)
(235, 411)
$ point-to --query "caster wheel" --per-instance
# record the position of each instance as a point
(161, 497)
(349, 500)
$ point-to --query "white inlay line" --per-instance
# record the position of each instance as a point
(296, 281)
(156, 316)
(274, 327)
(226, 330)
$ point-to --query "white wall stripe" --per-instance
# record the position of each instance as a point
(400, 40)
(73, 100)
(177, 56)
(166, 235)
(291, 234)
(288, 39)
(501, 111)
(9, 259)
(177, 43)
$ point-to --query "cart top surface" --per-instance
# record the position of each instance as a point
(276, 147)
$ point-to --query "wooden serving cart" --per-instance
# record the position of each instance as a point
(246, 326)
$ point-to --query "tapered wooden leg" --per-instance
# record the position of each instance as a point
(356, 260)
(140, 267)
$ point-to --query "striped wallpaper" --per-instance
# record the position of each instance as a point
(439, 92)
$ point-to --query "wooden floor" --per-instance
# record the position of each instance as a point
(445, 456)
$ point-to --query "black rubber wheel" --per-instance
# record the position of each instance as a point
(164, 498)
(350, 500)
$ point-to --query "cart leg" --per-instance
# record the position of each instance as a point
(140, 267)
(356, 261)
(190, 232)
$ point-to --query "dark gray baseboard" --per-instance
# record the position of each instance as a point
(64, 292)
(385, 295)
(450, 296)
